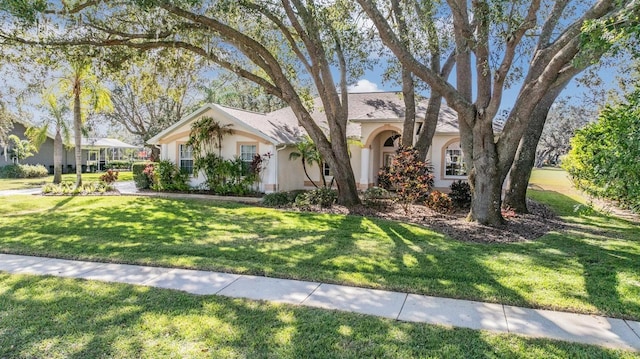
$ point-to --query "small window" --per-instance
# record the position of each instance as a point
(454, 163)
(247, 154)
(186, 159)
(327, 171)
(392, 141)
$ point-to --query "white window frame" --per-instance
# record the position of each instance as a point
(184, 149)
(449, 154)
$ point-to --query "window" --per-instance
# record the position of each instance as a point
(247, 153)
(326, 170)
(454, 164)
(392, 141)
(186, 159)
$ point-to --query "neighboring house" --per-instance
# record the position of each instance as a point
(95, 151)
(44, 156)
(375, 122)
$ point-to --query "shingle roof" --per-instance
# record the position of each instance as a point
(373, 106)
(282, 125)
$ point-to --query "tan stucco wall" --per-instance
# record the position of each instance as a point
(440, 142)
(170, 146)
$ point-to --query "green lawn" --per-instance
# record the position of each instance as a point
(26, 183)
(593, 268)
(48, 317)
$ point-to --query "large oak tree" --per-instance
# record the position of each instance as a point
(294, 49)
(488, 38)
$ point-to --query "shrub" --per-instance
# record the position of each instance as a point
(226, 176)
(168, 177)
(142, 174)
(439, 202)
(23, 171)
(277, 199)
(604, 160)
(323, 197)
(109, 177)
(408, 175)
(376, 197)
(119, 164)
(460, 194)
(68, 188)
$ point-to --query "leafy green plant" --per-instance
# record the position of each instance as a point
(323, 197)
(276, 199)
(168, 177)
(460, 194)
(604, 160)
(439, 202)
(143, 174)
(23, 171)
(227, 176)
(119, 164)
(376, 197)
(69, 188)
(409, 176)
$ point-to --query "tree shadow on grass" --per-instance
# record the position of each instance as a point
(330, 248)
(604, 250)
(54, 317)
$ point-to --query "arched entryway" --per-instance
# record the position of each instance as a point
(378, 152)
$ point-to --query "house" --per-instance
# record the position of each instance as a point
(44, 156)
(95, 151)
(375, 122)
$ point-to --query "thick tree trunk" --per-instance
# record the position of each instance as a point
(344, 178)
(77, 129)
(57, 158)
(485, 177)
(516, 193)
(409, 97)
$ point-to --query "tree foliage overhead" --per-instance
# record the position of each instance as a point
(154, 90)
(604, 159)
(291, 48)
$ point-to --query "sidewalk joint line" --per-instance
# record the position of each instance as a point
(506, 320)
(406, 296)
(226, 286)
(632, 331)
(310, 294)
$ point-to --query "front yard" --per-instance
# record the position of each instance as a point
(26, 183)
(590, 268)
(47, 317)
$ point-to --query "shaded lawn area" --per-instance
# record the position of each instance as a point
(26, 183)
(593, 268)
(68, 318)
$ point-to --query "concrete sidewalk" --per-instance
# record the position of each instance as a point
(579, 328)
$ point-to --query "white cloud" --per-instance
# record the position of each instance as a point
(364, 85)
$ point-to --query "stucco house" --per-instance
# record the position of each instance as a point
(375, 122)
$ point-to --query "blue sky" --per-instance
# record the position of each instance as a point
(372, 82)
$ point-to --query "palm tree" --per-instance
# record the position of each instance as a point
(56, 119)
(89, 96)
(309, 154)
(207, 134)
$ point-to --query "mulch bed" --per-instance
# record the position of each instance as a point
(518, 228)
